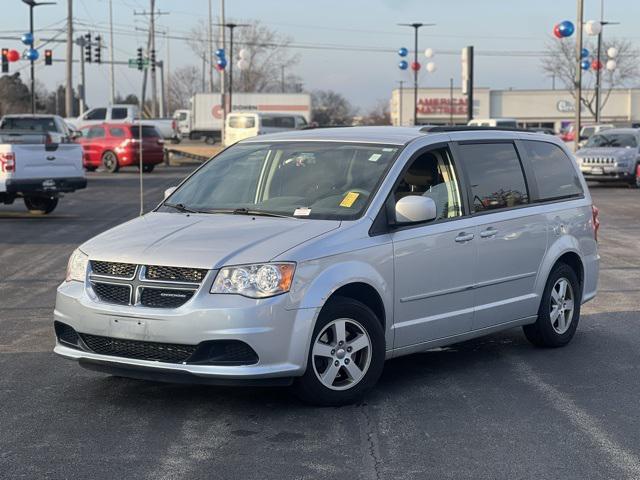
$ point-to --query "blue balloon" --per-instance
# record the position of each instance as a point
(403, 65)
(403, 52)
(584, 53)
(566, 28)
(27, 38)
(585, 64)
(220, 53)
(32, 54)
(222, 63)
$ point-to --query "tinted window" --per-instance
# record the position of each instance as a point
(118, 113)
(97, 114)
(495, 175)
(148, 131)
(554, 172)
(95, 132)
(117, 132)
(38, 124)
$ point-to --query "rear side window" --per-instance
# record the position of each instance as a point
(118, 113)
(495, 176)
(117, 132)
(148, 131)
(238, 121)
(95, 132)
(555, 175)
(97, 114)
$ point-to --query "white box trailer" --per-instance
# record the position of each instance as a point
(205, 115)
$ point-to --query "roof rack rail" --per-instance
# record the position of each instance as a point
(469, 128)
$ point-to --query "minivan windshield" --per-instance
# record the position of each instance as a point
(613, 140)
(319, 180)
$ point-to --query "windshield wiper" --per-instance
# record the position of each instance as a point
(246, 211)
(180, 207)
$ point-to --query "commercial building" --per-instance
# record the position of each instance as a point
(531, 108)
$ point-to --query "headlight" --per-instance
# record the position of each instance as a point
(77, 266)
(255, 281)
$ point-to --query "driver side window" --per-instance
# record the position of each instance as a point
(433, 175)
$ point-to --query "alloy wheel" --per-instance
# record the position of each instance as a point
(562, 305)
(341, 354)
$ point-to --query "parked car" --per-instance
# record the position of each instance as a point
(126, 114)
(310, 257)
(115, 145)
(588, 130)
(37, 169)
(612, 155)
(54, 125)
(241, 125)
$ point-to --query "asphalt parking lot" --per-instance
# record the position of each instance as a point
(493, 408)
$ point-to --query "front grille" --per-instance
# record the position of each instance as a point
(175, 274)
(598, 160)
(164, 298)
(160, 352)
(112, 269)
(112, 293)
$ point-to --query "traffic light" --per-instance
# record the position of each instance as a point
(98, 49)
(139, 59)
(152, 60)
(87, 48)
(5, 60)
(48, 57)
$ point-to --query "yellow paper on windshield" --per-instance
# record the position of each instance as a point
(349, 199)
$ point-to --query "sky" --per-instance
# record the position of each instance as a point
(507, 36)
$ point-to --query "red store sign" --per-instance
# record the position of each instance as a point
(442, 106)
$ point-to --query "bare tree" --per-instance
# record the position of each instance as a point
(268, 53)
(331, 108)
(560, 62)
(378, 115)
(185, 82)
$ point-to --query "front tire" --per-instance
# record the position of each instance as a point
(110, 162)
(346, 355)
(41, 205)
(559, 311)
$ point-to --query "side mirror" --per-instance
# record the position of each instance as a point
(415, 209)
(169, 191)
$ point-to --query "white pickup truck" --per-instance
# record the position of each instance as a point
(126, 114)
(38, 170)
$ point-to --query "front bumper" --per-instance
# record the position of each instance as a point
(604, 174)
(280, 335)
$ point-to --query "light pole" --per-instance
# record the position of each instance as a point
(231, 27)
(33, 57)
(598, 86)
(415, 66)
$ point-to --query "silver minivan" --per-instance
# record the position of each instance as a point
(310, 257)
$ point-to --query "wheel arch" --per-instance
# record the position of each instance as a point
(565, 250)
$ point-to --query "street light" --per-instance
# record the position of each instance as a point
(595, 28)
(231, 27)
(33, 56)
(415, 66)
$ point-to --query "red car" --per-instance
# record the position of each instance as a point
(115, 145)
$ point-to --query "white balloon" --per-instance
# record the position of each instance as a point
(612, 52)
(243, 64)
(428, 52)
(611, 65)
(243, 53)
(431, 67)
(593, 27)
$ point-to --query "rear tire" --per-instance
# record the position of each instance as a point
(148, 168)
(209, 140)
(40, 205)
(559, 311)
(346, 355)
(110, 162)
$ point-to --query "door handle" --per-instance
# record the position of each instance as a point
(464, 237)
(51, 157)
(488, 233)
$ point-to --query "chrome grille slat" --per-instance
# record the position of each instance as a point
(174, 274)
(113, 269)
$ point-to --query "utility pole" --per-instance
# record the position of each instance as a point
(162, 97)
(112, 83)
(82, 89)
(401, 83)
(416, 66)
(223, 73)
(167, 70)
(210, 47)
(578, 83)
(68, 91)
(598, 86)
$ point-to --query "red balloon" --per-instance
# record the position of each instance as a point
(415, 66)
(13, 55)
(219, 68)
(556, 31)
(596, 65)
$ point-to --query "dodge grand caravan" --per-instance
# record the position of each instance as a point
(310, 257)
